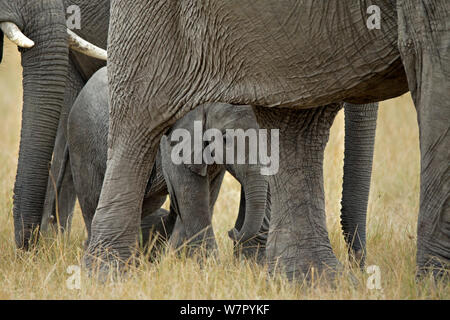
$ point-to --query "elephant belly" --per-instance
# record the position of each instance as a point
(300, 53)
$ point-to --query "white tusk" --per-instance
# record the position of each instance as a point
(14, 34)
(79, 44)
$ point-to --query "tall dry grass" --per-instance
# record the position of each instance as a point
(391, 242)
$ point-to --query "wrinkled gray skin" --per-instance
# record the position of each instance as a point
(192, 206)
(63, 74)
(193, 189)
(168, 57)
(360, 128)
(94, 14)
(87, 130)
(53, 77)
(45, 70)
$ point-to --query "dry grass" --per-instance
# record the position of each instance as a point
(392, 220)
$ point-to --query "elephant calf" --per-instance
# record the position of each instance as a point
(193, 188)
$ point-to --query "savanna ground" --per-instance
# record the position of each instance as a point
(391, 243)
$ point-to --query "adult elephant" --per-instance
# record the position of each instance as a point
(287, 58)
(52, 77)
(50, 62)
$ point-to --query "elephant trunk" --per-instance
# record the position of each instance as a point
(255, 188)
(360, 128)
(44, 79)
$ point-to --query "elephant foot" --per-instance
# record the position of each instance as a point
(102, 268)
(438, 268)
(105, 257)
(106, 265)
(201, 247)
(357, 258)
(299, 270)
(253, 249)
(102, 259)
(319, 275)
(202, 244)
(155, 247)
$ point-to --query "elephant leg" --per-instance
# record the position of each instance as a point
(189, 197)
(158, 223)
(88, 185)
(66, 194)
(360, 129)
(116, 224)
(133, 142)
(298, 239)
(424, 42)
(155, 220)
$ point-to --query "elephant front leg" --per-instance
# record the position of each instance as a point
(424, 42)
(298, 238)
(190, 199)
(115, 227)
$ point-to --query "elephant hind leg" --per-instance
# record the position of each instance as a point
(88, 182)
(298, 238)
(424, 42)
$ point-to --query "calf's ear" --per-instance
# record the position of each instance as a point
(165, 149)
(197, 153)
(201, 168)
